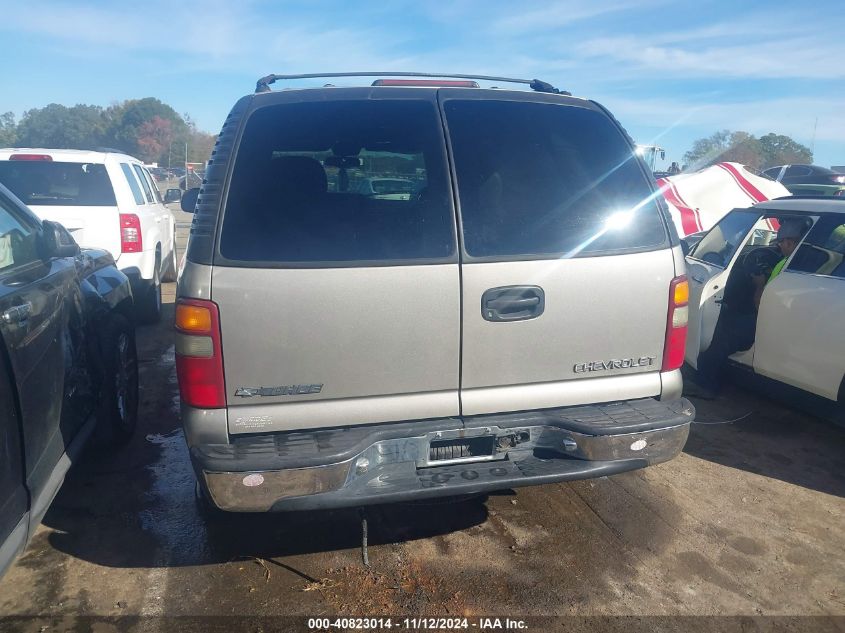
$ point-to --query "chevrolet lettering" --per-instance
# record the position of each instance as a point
(605, 365)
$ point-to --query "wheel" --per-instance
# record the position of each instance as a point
(171, 268)
(148, 303)
(117, 412)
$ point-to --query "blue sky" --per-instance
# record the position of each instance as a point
(671, 72)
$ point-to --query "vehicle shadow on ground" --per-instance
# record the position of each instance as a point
(744, 430)
(135, 506)
(189, 538)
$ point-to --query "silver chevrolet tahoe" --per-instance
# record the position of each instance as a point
(513, 313)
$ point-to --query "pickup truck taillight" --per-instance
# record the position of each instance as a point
(676, 324)
(199, 359)
(130, 233)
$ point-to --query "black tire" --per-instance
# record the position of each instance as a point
(171, 268)
(117, 412)
(148, 301)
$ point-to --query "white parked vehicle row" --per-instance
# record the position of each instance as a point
(106, 200)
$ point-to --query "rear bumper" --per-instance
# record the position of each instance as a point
(139, 267)
(385, 463)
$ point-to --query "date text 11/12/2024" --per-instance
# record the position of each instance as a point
(416, 624)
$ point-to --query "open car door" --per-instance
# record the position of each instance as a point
(708, 266)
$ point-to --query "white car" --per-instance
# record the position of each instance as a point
(800, 335)
(106, 200)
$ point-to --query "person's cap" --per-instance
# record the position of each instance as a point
(790, 229)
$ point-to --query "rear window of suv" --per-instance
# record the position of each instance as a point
(340, 181)
(48, 183)
(540, 180)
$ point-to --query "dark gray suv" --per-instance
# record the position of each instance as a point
(518, 318)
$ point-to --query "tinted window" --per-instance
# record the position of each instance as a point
(798, 170)
(146, 186)
(48, 183)
(133, 184)
(720, 244)
(823, 250)
(772, 172)
(340, 181)
(545, 179)
(17, 240)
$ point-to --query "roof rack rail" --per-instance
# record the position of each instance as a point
(810, 196)
(263, 84)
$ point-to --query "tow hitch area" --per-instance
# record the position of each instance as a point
(488, 446)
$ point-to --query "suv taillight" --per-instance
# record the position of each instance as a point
(676, 324)
(130, 233)
(199, 359)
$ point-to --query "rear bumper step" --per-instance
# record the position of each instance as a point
(434, 458)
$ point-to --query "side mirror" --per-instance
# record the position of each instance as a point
(685, 247)
(56, 241)
(173, 195)
(189, 199)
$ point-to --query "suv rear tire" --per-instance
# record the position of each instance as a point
(117, 413)
(149, 299)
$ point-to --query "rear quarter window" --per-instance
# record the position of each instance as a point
(340, 182)
(133, 184)
(537, 180)
(147, 191)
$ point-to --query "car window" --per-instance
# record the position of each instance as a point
(720, 244)
(49, 183)
(148, 194)
(797, 170)
(133, 184)
(772, 173)
(17, 239)
(341, 181)
(538, 179)
(823, 250)
(152, 183)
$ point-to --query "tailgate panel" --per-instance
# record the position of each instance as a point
(381, 343)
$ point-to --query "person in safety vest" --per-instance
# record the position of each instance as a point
(737, 323)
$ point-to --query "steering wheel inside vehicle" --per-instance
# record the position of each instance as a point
(760, 261)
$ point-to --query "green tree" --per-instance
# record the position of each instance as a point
(778, 149)
(154, 138)
(200, 143)
(8, 130)
(127, 121)
(77, 127)
(745, 148)
(705, 151)
(147, 128)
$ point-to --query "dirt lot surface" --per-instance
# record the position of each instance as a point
(747, 521)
